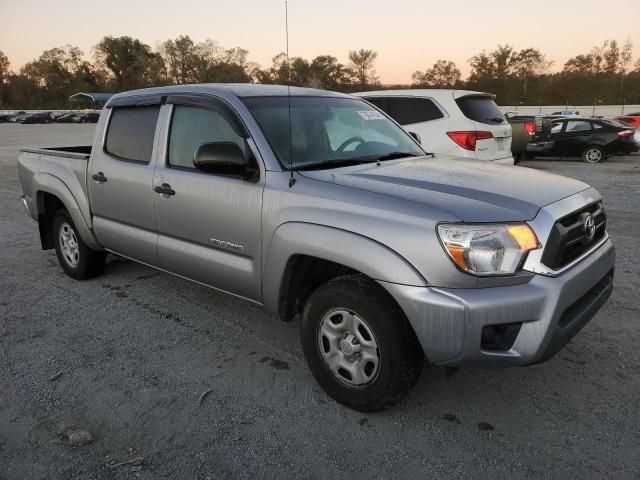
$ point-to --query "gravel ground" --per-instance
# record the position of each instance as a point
(174, 380)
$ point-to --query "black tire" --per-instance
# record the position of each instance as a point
(594, 154)
(519, 157)
(400, 357)
(80, 262)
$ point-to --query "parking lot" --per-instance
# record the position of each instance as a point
(174, 380)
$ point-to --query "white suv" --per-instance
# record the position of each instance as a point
(458, 123)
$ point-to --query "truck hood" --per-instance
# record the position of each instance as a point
(470, 190)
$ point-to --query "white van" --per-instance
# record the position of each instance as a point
(458, 123)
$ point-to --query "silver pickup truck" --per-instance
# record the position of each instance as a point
(321, 208)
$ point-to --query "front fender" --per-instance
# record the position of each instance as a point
(44, 182)
(328, 243)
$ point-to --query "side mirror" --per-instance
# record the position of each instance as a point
(223, 158)
(416, 137)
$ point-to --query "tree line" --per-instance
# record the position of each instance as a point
(605, 74)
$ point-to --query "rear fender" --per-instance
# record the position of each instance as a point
(44, 182)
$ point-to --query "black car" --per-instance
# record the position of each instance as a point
(13, 118)
(592, 139)
(37, 117)
(66, 117)
(88, 117)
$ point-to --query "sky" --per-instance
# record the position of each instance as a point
(408, 35)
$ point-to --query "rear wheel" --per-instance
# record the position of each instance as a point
(75, 257)
(519, 157)
(359, 345)
(594, 154)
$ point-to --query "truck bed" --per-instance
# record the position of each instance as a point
(82, 152)
(66, 164)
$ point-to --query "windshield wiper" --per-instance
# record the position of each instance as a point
(344, 162)
(335, 163)
(394, 155)
(495, 119)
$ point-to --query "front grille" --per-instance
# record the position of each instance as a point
(568, 238)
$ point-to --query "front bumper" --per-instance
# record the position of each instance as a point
(550, 310)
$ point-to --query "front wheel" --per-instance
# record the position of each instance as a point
(75, 257)
(359, 345)
(594, 154)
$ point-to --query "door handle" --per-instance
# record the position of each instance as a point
(99, 177)
(164, 189)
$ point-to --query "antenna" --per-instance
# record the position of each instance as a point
(292, 180)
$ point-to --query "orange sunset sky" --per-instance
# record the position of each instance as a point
(407, 34)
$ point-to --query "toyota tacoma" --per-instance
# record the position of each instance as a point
(322, 209)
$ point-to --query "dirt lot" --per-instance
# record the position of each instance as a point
(128, 356)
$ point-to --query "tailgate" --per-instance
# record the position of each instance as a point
(485, 116)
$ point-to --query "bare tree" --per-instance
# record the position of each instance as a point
(4, 67)
(625, 60)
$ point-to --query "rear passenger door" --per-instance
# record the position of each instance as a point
(210, 226)
(120, 181)
(573, 138)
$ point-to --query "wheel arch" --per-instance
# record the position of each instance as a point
(301, 256)
(50, 194)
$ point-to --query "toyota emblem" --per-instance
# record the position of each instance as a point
(589, 227)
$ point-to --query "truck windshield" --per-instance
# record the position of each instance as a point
(329, 132)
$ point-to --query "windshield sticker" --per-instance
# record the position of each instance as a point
(371, 115)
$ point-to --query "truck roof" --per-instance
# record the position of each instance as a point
(225, 90)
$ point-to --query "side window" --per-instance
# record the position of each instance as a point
(193, 126)
(578, 126)
(597, 126)
(556, 127)
(131, 131)
(382, 104)
(406, 111)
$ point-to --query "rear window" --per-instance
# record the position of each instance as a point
(131, 131)
(615, 123)
(481, 109)
(407, 110)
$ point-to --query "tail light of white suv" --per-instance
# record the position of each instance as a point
(469, 139)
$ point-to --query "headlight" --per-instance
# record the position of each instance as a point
(487, 249)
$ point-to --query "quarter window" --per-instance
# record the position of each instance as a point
(556, 127)
(481, 108)
(193, 126)
(131, 132)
